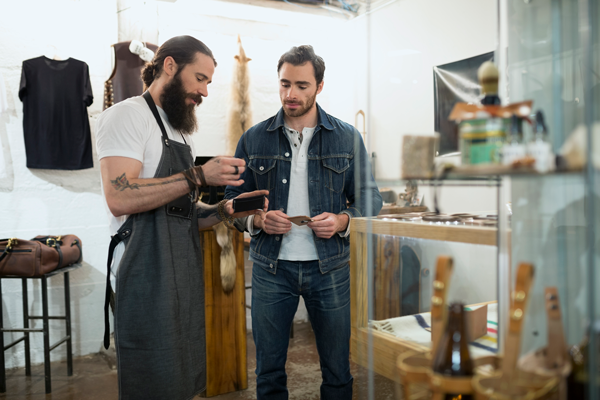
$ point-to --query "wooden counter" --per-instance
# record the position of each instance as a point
(226, 363)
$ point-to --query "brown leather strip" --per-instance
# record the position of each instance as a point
(191, 182)
(201, 174)
(557, 348)
(443, 271)
(516, 317)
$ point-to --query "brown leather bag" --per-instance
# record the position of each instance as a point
(38, 256)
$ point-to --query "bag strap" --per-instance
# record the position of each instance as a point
(76, 243)
(53, 241)
(115, 240)
(11, 242)
(5, 253)
(60, 255)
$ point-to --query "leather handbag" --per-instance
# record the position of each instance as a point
(38, 256)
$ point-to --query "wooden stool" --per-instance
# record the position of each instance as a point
(45, 317)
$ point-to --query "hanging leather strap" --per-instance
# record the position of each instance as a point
(7, 249)
(115, 240)
(518, 306)
(443, 272)
(557, 347)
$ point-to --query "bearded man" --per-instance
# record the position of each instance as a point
(313, 165)
(150, 186)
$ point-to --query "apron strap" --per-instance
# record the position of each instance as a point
(115, 240)
(154, 110)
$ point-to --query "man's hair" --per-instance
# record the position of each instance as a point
(299, 56)
(183, 49)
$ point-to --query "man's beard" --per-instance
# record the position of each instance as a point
(303, 109)
(182, 116)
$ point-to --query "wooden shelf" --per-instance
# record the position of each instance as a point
(420, 230)
(393, 209)
(490, 170)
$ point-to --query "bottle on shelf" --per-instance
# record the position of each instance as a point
(488, 79)
(452, 357)
(540, 148)
(514, 149)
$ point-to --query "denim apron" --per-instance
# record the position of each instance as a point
(159, 299)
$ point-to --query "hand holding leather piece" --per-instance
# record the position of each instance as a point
(325, 225)
(274, 222)
(228, 208)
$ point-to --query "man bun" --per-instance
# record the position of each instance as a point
(183, 49)
(148, 74)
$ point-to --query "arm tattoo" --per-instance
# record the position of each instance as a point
(207, 211)
(121, 183)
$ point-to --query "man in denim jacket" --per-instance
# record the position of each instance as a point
(313, 165)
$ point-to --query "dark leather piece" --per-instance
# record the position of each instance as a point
(125, 80)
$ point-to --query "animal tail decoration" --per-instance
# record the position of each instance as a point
(228, 261)
(239, 118)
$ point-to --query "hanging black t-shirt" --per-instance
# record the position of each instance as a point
(55, 96)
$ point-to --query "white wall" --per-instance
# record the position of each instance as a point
(266, 34)
(34, 202)
(398, 46)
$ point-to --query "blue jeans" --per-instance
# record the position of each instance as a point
(275, 300)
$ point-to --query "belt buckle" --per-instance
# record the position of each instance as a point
(51, 242)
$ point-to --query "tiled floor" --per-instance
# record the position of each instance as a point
(94, 380)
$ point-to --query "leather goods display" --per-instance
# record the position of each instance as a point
(125, 80)
(38, 256)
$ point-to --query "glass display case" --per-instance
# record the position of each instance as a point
(391, 315)
(548, 52)
(554, 59)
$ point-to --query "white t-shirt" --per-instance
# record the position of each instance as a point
(128, 129)
(298, 244)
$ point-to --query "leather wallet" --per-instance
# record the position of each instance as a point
(300, 220)
(249, 203)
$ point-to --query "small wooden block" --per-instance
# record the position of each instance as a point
(476, 321)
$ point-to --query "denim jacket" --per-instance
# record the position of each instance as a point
(331, 182)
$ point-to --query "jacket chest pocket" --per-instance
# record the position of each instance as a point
(263, 170)
(335, 170)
